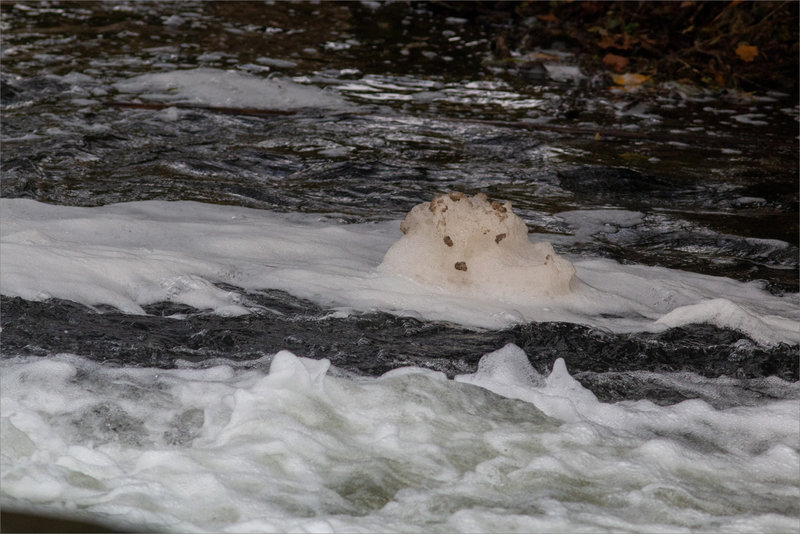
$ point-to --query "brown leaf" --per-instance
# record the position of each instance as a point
(630, 81)
(607, 41)
(746, 52)
(615, 62)
(619, 41)
(628, 41)
(548, 18)
(645, 39)
(590, 8)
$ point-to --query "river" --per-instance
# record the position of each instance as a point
(198, 334)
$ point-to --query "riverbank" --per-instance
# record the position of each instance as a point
(747, 46)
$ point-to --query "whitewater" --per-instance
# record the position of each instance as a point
(290, 444)
(140, 253)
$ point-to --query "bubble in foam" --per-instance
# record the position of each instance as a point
(475, 246)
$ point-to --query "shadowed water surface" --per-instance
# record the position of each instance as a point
(375, 343)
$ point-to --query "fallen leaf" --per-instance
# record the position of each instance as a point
(630, 80)
(746, 52)
(628, 41)
(620, 41)
(590, 8)
(607, 41)
(615, 62)
(645, 39)
(548, 18)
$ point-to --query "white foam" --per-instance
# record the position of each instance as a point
(726, 314)
(293, 448)
(469, 245)
(220, 88)
(564, 73)
(135, 254)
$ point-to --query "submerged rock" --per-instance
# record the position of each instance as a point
(472, 245)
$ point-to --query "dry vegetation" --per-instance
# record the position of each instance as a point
(741, 45)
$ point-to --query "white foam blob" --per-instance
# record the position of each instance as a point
(726, 314)
(470, 245)
(135, 254)
(283, 445)
(220, 88)
(509, 373)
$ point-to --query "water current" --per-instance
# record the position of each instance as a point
(196, 335)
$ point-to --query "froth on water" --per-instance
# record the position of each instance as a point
(288, 444)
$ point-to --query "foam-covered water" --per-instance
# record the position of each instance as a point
(214, 87)
(285, 444)
(135, 254)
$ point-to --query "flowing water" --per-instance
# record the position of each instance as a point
(197, 336)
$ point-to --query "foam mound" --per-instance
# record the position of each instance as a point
(472, 245)
(215, 87)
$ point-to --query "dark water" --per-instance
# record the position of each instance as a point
(715, 176)
(376, 343)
